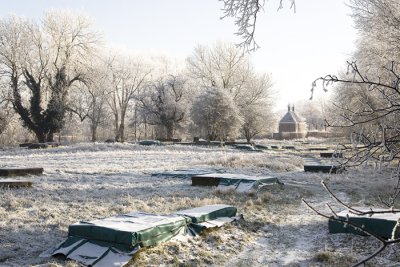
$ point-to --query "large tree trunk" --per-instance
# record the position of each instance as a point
(212, 136)
(247, 135)
(116, 122)
(120, 134)
(170, 131)
(41, 138)
(94, 132)
(50, 137)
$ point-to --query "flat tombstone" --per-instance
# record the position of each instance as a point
(201, 180)
(321, 168)
(239, 182)
(262, 147)
(331, 155)
(14, 183)
(38, 146)
(25, 144)
(20, 171)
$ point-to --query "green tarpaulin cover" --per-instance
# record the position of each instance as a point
(238, 182)
(317, 165)
(112, 241)
(208, 216)
(379, 224)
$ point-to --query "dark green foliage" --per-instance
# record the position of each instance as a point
(44, 119)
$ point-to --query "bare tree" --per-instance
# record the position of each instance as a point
(222, 65)
(165, 103)
(378, 24)
(373, 111)
(5, 107)
(257, 119)
(314, 112)
(225, 67)
(128, 75)
(216, 114)
(89, 100)
(367, 96)
(4, 119)
(245, 13)
(41, 63)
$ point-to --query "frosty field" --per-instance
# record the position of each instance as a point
(88, 181)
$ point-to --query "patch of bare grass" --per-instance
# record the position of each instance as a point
(329, 258)
(258, 160)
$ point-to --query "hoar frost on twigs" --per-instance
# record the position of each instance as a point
(370, 108)
(245, 13)
(165, 103)
(384, 242)
(367, 103)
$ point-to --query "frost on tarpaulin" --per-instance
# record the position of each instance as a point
(233, 181)
(114, 240)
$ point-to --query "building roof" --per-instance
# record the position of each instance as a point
(291, 117)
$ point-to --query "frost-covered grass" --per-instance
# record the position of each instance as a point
(87, 181)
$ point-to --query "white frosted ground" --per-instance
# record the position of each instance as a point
(89, 181)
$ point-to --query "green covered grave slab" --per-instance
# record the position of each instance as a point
(114, 240)
(238, 182)
(325, 168)
(131, 229)
(38, 146)
(315, 165)
(20, 171)
(379, 224)
(208, 216)
(331, 154)
(262, 147)
(208, 213)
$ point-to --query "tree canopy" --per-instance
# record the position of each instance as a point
(41, 62)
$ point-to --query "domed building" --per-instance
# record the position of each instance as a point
(291, 126)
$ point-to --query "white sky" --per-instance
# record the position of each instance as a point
(295, 48)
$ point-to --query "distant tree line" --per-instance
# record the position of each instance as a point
(57, 75)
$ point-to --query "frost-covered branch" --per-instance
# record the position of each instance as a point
(345, 221)
(245, 14)
(370, 107)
